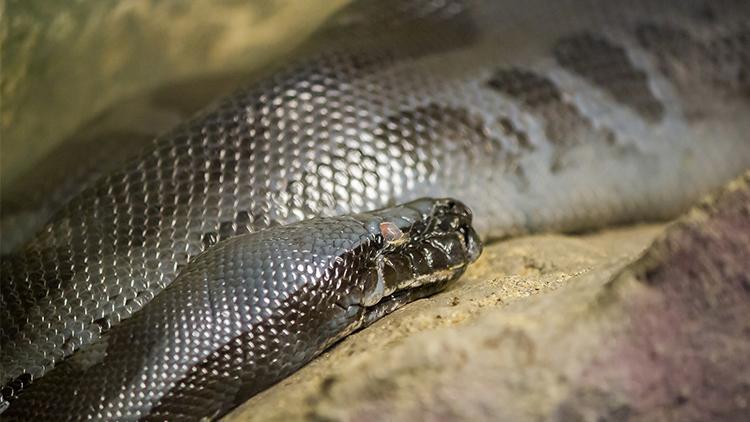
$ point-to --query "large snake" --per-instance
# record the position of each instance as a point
(563, 115)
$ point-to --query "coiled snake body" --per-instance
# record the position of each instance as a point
(547, 116)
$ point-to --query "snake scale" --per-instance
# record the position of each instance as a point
(565, 115)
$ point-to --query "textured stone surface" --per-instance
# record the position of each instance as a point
(557, 327)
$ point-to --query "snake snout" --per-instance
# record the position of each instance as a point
(450, 215)
(427, 242)
(472, 243)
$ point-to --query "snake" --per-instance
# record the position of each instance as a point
(241, 244)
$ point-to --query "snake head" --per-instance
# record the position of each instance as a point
(422, 246)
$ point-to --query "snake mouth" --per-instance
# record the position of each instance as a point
(424, 256)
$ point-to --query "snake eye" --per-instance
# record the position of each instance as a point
(391, 233)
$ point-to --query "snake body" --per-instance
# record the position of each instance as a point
(253, 309)
(561, 115)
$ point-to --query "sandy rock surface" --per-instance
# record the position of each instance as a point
(588, 327)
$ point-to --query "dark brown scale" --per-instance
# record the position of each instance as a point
(510, 129)
(540, 95)
(438, 131)
(698, 67)
(608, 66)
(531, 89)
(565, 126)
(730, 55)
(674, 47)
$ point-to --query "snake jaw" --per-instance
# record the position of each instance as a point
(374, 296)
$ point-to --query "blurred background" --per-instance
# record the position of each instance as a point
(85, 73)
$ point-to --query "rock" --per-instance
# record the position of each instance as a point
(557, 327)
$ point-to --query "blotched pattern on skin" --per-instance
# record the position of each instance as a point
(253, 309)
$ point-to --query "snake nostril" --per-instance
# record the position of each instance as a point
(471, 242)
(460, 209)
